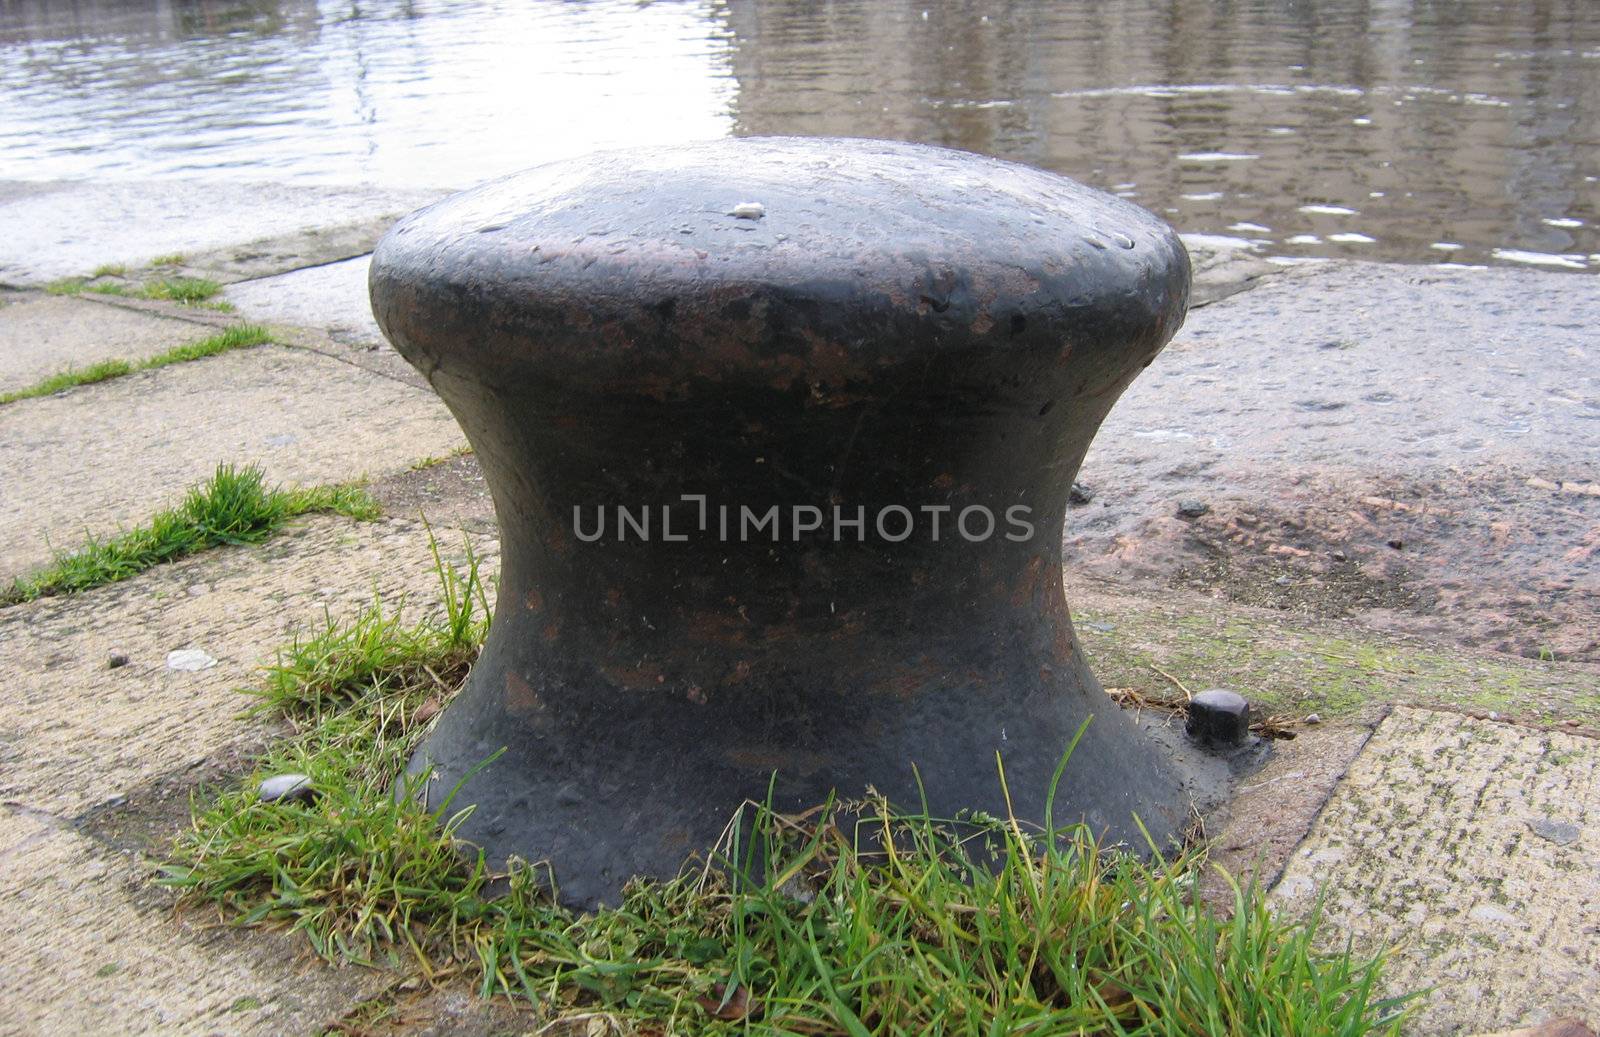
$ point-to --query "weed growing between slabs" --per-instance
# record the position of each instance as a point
(233, 507)
(239, 336)
(888, 924)
(181, 289)
(187, 290)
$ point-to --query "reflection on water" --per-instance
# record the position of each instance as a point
(394, 93)
(1417, 130)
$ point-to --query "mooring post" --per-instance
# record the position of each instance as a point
(780, 435)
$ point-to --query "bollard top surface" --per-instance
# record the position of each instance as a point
(627, 252)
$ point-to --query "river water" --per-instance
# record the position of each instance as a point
(1413, 130)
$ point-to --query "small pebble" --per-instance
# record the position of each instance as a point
(189, 659)
(1397, 544)
(1339, 556)
(1562, 833)
(749, 210)
(1193, 508)
(1079, 495)
(1313, 718)
(116, 660)
(287, 788)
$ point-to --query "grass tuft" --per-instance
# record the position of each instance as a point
(191, 291)
(240, 336)
(237, 337)
(181, 289)
(853, 919)
(73, 376)
(66, 286)
(434, 460)
(232, 507)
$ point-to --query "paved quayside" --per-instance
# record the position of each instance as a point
(1458, 826)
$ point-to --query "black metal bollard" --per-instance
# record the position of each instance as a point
(780, 434)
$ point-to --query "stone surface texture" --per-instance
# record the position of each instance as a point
(1567, 1026)
(70, 227)
(300, 250)
(108, 455)
(90, 945)
(1426, 847)
(1221, 271)
(1272, 808)
(332, 296)
(89, 950)
(44, 335)
(75, 734)
(1340, 407)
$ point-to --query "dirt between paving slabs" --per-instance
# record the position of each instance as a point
(1496, 559)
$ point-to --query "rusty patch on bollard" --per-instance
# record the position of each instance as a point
(780, 492)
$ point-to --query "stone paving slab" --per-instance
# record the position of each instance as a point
(1362, 365)
(90, 945)
(106, 456)
(1564, 1027)
(1473, 849)
(332, 296)
(1219, 270)
(1360, 435)
(67, 228)
(1256, 833)
(44, 335)
(75, 734)
(87, 950)
(267, 257)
